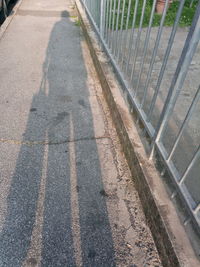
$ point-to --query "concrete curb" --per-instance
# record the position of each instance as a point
(7, 22)
(169, 235)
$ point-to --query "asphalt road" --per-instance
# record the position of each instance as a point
(66, 195)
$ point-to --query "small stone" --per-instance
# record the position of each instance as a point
(129, 246)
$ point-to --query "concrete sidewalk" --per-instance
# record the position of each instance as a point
(66, 196)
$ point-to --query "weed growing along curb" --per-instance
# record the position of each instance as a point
(78, 23)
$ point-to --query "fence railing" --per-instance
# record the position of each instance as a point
(158, 63)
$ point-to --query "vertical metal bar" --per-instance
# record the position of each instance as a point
(116, 29)
(132, 35)
(121, 28)
(184, 124)
(100, 15)
(137, 41)
(113, 25)
(165, 60)
(180, 74)
(110, 19)
(93, 11)
(102, 18)
(126, 34)
(154, 53)
(90, 9)
(107, 21)
(97, 6)
(107, 17)
(197, 209)
(192, 2)
(190, 166)
(146, 44)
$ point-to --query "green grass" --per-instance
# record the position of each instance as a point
(78, 23)
(185, 20)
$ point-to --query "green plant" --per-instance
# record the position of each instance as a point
(185, 20)
(78, 23)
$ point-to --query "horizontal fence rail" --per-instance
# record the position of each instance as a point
(157, 58)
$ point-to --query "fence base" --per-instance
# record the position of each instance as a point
(169, 234)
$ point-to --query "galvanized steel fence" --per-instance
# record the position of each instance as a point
(160, 70)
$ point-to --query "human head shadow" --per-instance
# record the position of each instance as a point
(62, 102)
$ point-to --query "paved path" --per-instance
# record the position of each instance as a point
(66, 196)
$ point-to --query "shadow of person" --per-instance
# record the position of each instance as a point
(60, 107)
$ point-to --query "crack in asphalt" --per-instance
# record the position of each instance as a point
(32, 143)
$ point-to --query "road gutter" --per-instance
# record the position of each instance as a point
(169, 234)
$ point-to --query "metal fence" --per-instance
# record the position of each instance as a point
(159, 67)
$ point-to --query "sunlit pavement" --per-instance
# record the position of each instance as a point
(66, 196)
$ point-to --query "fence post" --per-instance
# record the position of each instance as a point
(102, 17)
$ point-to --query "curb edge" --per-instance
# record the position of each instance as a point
(8, 20)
